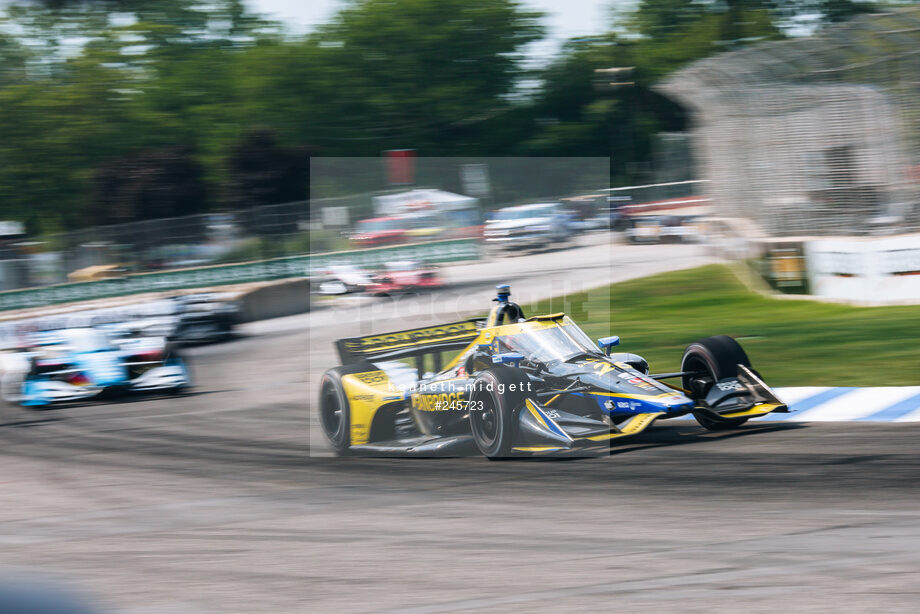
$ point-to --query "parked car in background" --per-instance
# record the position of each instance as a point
(528, 226)
(617, 219)
(378, 231)
(588, 212)
(686, 229)
(663, 229)
(644, 229)
(404, 276)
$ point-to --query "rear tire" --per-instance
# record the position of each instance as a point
(335, 410)
(494, 426)
(717, 357)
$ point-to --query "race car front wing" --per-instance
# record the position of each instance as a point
(45, 391)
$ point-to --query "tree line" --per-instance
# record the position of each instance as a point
(120, 110)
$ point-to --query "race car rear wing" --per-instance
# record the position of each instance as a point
(412, 342)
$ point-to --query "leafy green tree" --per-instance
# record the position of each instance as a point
(157, 76)
(262, 172)
(835, 11)
(148, 185)
(416, 72)
(209, 95)
(656, 18)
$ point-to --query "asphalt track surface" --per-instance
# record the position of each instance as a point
(218, 502)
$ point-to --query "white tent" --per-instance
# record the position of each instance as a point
(420, 200)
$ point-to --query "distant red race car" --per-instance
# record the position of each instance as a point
(404, 276)
(380, 231)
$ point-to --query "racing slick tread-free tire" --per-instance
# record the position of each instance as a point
(11, 388)
(173, 352)
(494, 425)
(719, 356)
(334, 408)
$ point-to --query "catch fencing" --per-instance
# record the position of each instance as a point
(816, 135)
(157, 245)
(160, 245)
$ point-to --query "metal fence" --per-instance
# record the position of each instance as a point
(226, 237)
(813, 136)
(321, 225)
(156, 245)
(656, 196)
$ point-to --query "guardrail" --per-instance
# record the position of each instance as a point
(227, 274)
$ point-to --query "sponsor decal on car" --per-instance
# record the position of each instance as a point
(409, 338)
(438, 402)
(372, 378)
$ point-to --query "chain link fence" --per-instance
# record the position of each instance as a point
(259, 233)
(157, 245)
(366, 218)
(818, 136)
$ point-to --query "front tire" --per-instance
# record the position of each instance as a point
(715, 358)
(11, 383)
(493, 416)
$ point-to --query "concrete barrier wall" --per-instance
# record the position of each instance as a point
(865, 269)
(288, 267)
(277, 300)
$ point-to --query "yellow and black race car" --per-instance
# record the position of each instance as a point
(522, 386)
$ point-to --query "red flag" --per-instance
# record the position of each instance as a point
(400, 166)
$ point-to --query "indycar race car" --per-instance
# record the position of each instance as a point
(188, 319)
(342, 279)
(523, 386)
(404, 276)
(83, 363)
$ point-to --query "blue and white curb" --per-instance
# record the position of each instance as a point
(820, 404)
(880, 404)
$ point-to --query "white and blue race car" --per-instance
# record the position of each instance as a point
(76, 364)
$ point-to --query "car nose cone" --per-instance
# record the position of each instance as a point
(677, 401)
(104, 368)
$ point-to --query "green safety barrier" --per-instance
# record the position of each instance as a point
(222, 275)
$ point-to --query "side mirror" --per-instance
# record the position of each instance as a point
(606, 343)
(508, 358)
(484, 347)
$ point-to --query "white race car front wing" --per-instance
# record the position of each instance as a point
(166, 377)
